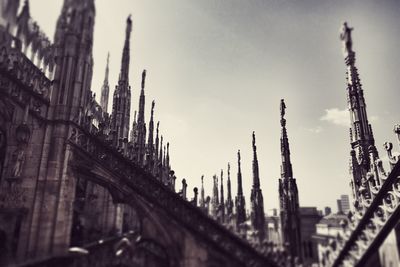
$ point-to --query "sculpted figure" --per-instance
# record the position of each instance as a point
(18, 159)
(345, 36)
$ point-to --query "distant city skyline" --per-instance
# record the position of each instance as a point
(218, 70)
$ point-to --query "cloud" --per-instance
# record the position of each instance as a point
(341, 117)
(315, 130)
(336, 116)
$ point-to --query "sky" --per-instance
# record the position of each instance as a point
(217, 70)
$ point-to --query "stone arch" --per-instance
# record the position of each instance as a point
(152, 218)
(148, 214)
(97, 213)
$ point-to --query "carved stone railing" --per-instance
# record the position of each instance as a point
(91, 150)
(20, 79)
(367, 227)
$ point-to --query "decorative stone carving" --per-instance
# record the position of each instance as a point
(18, 159)
(12, 196)
(345, 36)
(22, 135)
(369, 222)
(141, 181)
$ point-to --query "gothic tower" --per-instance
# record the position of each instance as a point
(105, 89)
(202, 203)
(256, 198)
(150, 141)
(215, 198)
(122, 95)
(229, 202)
(361, 137)
(156, 148)
(51, 218)
(289, 198)
(222, 201)
(141, 124)
(239, 200)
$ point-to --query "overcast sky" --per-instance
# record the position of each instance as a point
(218, 69)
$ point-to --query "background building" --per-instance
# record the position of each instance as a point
(309, 218)
(327, 211)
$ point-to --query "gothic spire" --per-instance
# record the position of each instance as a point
(160, 159)
(160, 163)
(286, 167)
(239, 200)
(120, 117)
(239, 177)
(141, 123)
(361, 131)
(202, 200)
(256, 198)
(150, 142)
(215, 198)
(124, 73)
(105, 89)
(288, 197)
(167, 156)
(256, 178)
(222, 201)
(229, 202)
(156, 149)
(361, 135)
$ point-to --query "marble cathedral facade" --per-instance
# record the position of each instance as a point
(39, 213)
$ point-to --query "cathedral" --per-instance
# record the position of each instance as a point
(84, 184)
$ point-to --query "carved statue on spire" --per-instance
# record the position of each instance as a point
(345, 36)
(283, 107)
(143, 78)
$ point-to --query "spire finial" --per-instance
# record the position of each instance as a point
(128, 27)
(124, 75)
(254, 142)
(143, 78)
(283, 107)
